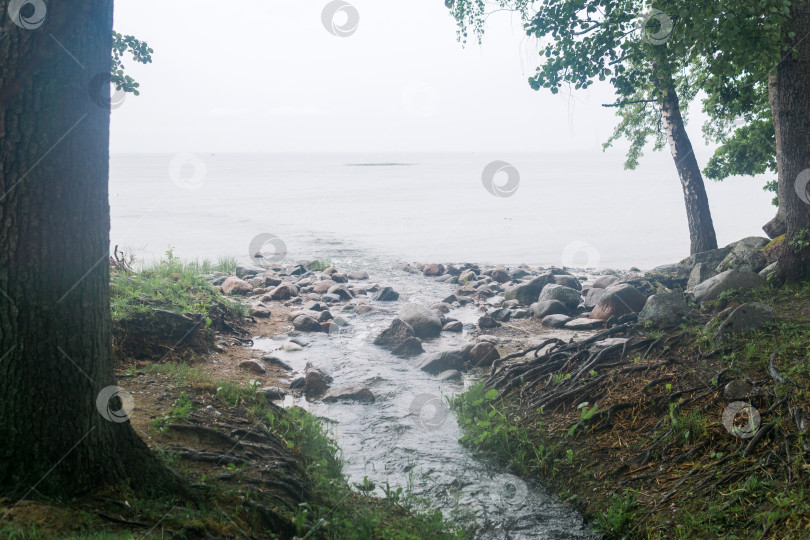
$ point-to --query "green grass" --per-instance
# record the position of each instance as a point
(339, 512)
(619, 515)
(170, 264)
(170, 284)
(489, 429)
(319, 266)
(345, 514)
(181, 409)
(12, 533)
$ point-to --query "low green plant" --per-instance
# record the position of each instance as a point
(169, 284)
(558, 378)
(491, 431)
(181, 409)
(585, 414)
(235, 394)
(339, 514)
(616, 519)
(319, 266)
(686, 427)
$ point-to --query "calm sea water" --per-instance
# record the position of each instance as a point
(576, 209)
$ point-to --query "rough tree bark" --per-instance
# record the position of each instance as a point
(789, 94)
(55, 327)
(701, 228)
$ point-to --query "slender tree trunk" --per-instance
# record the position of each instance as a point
(789, 94)
(55, 328)
(701, 227)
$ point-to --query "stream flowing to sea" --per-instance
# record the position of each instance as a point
(408, 437)
(372, 212)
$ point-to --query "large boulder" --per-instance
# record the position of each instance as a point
(500, 275)
(700, 273)
(548, 307)
(467, 276)
(433, 270)
(453, 326)
(566, 295)
(584, 323)
(528, 293)
(592, 297)
(768, 270)
(247, 272)
(555, 321)
(725, 281)
(483, 354)
(618, 300)
(254, 366)
(305, 323)
(746, 255)
(285, 291)
(234, 285)
(711, 258)
(500, 314)
(447, 360)
(395, 335)
(745, 318)
(568, 281)
(341, 291)
(603, 282)
(487, 321)
(387, 294)
(426, 323)
(323, 286)
(775, 249)
(316, 382)
(518, 273)
(350, 392)
(664, 309)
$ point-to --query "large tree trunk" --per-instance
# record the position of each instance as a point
(701, 227)
(55, 328)
(789, 93)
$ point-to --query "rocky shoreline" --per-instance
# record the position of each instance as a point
(513, 309)
(574, 300)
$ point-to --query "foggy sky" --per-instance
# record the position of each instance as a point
(267, 76)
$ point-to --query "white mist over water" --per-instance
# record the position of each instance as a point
(573, 209)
